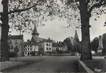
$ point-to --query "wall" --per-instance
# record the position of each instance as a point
(19, 44)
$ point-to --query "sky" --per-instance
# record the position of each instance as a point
(56, 29)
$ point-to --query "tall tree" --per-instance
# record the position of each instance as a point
(4, 33)
(86, 7)
(67, 41)
(85, 13)
(4, 50)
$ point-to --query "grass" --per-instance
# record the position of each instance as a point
(97, 65)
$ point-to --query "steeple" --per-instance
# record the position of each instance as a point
(76, 36)
(35, 35)
(35, 31)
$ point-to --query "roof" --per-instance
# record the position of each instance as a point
(55, 45)
(15, 36)
(27, 43)
(35, 31)
(31, 43)
(34, 43)
(45, 40)
(58, 44)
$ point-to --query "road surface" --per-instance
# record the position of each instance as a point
(48, 64)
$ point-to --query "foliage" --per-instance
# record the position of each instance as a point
(16, 50)
(69, 44)
(24, 14)
(95, 44)
(12, 54)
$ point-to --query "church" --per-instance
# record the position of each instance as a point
(37, 45)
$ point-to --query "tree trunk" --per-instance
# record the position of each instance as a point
(85, 16)
(4, 50)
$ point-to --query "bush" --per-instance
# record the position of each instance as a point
(95, 44)
(12, 54)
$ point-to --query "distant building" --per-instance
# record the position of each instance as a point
(54, 47)
(77, 44)
(15, 43)
(37, 45)
(59, 46)
(76, 38)
(27, 48)
(47, 46)
(30, 48)
(72, 40)
(100, 47)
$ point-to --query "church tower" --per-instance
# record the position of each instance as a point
(76, 36)
(35, 35)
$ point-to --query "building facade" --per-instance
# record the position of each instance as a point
(15, 43)
(41, 46)
(30, 49)
(47, 46)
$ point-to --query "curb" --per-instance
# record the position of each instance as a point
(87, 69)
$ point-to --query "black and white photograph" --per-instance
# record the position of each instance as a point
(52, 36)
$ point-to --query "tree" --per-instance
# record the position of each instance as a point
(67, 41)
(16, 50)
(23, 14)
(4, 51)
(95, 44)
(85, 13)
(86, 7)
(104, 44)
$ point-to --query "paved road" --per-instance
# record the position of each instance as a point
(49, 64)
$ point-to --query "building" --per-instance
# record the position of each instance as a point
(27, 48)
(37, 45)
(30, 49)
(47, 46)
(15, 43)
(59, 47)
(54, 47)
(77, 44)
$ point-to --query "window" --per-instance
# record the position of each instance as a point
(47, 44)
(28, 48)
(49, 48)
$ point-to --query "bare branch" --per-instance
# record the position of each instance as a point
(97, 5)
(20, 10)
